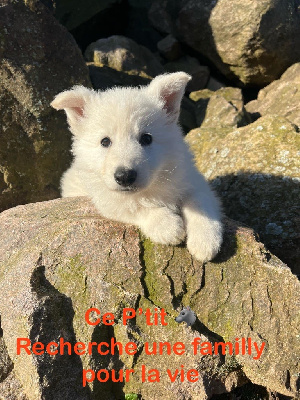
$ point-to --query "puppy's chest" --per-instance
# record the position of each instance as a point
(128, 208)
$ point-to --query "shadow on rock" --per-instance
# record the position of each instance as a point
(107, 390)
(6, 364)
(270, 205)
(60, 375)
(229, 245)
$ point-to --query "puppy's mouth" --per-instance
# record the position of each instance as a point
(126, 189)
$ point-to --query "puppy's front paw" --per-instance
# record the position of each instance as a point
(204, 244)
(165, 227)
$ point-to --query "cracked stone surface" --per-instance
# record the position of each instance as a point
(281, 97)
(223, 108)
(253, 42)
(59, 258)
(38, 59)
(255, 171)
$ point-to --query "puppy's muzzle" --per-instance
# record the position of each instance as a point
(125, 177)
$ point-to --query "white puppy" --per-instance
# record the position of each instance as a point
(131, 160)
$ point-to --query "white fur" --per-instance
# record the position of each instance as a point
(170, 199)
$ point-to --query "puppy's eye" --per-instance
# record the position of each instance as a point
(145, 139)
(183, 313)
(106, 142)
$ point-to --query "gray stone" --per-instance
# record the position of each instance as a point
(123, 54)
(6, 364)
(11, 389)
(74, 260)
(59, 258)
(281, 97)
(252, 42)
(221, 108)
(255, 169)
(38, 59)
(190, 65)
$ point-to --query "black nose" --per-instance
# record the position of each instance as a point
(125, 177)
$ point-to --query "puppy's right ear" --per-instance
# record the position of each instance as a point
(73, 102)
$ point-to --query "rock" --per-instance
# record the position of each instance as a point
(10, 389)
(123, 54)
(281, 97)
(190, 65)
(170, 48)
(6, 364)
(187, 119)
(103, 78)
(214, 85)
(255, 170)
(39, 58)
(219, 109)
(253, 42)
(69, 270)
(59, 258)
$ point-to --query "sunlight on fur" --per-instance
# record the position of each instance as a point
(131, 160)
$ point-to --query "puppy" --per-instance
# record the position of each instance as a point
(131, 160)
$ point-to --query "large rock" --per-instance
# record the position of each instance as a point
(59, 258)
(39, 58)
(190, 65)
(123, 54)
(220, 108)
(281, 97)
(253, 42)
(6, 364)
(255, 170)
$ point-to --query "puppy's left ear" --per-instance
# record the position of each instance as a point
(170, 89)
(74, 103)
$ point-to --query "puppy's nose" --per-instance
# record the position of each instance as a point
(125, 177)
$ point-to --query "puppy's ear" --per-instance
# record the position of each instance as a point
(170, 89)
(73, 102)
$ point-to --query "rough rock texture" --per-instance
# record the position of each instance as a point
(221, 108)
(5, 362)
(11, 389)
(281, 97)
(38, 59)
(252, 41)
(190, 65)
(60, 258)
(123, 54)
(255, 170)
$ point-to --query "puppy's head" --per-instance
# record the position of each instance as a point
(126, 137)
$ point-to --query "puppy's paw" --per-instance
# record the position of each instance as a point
(205, 244)
(164, 227)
